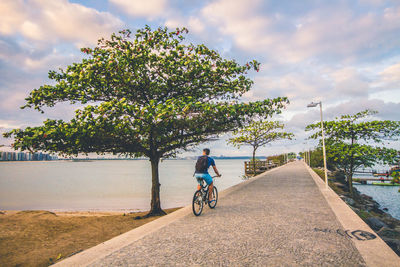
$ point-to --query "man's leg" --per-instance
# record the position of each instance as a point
(210, 192)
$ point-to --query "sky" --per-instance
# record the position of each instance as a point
(343, 53)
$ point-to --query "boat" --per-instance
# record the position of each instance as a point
(380, 174)
(385, 184)
(387, 173)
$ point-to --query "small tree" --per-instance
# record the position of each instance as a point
(317, 159)
(258, 134)
(395, 177)
(277, 159)
(152, 96)
(347, 142)
(291, 155)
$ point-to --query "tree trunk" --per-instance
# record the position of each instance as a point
(254, 161)
(350, 182)
(350, 178)
(155, 189)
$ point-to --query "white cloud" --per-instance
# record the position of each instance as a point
(327, 31)
(348, 82)
(330, 85)
(52, 21)
(12, 14)
(392, 74)
(194, 24)
(240, 20)
(29, 58)
(148, 8)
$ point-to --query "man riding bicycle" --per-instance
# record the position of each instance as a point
(201, 172)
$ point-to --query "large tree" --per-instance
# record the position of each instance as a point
(151, 95)
(258, 134)
(353, 142)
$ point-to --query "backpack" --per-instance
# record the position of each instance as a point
(202, 165)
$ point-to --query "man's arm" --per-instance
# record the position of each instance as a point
(216, 170)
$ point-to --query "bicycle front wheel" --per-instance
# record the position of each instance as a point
(214, 198)
(197, 204)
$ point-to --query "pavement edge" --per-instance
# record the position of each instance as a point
(375, 252)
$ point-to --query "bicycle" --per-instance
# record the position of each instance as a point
(201, 196)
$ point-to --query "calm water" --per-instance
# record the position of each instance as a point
(386, 196)
(102, 185)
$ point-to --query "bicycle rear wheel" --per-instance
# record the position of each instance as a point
(197, 203)
(214, 197)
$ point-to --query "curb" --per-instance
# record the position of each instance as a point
(101, 250)
(375, 252)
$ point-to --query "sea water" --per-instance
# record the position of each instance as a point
(387, 196)
(101, 185)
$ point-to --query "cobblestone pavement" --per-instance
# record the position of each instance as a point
(280, 219)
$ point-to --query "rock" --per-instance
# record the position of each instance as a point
(341, 186)
(355, 209)
(377, 211)
(365, 196)
(390, 221)
(385, 209)
(349, 201)
(375, 223)
(388, 233)
(372, 207)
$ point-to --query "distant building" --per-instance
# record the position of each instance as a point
(22, 156)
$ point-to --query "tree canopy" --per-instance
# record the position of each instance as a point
(258, 134)
(353, 142)
(146, 94)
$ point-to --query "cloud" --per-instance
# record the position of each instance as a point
(391, 75)
(50, 22)
(240, 20)
(303, 85)
(386, 111)
(349, 82)
(194, 24)
(148, 9)
(330, 31)
(375, 2)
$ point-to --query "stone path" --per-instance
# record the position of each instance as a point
(280, 219)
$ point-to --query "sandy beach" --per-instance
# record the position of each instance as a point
(40, 238)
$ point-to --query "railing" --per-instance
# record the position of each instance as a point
(260, 166)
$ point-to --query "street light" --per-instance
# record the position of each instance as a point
(313, 105)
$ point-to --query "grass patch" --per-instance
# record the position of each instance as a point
(363, 214)
(320, 173)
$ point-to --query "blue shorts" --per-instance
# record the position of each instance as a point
(206, 176)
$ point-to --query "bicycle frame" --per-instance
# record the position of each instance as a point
(204, 188)
(201, 196)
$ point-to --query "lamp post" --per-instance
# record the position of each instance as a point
(312, 105)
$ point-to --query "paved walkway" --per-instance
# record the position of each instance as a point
(279, 219)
